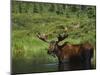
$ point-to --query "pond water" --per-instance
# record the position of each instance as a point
(40, 68)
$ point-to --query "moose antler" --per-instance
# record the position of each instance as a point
(42, 37)
(62, 36)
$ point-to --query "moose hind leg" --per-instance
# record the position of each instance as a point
(87, 57)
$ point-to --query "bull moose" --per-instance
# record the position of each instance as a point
(71, 53)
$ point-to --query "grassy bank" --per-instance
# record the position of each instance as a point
(26, 45)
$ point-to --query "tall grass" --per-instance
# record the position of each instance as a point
(30, 48)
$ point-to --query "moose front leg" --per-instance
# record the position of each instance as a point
(60, 64)
(63, 65)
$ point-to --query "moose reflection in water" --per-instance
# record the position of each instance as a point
(70, 56)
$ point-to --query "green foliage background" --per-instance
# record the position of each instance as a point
(29, 18)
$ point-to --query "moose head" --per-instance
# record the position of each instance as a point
(53, 44)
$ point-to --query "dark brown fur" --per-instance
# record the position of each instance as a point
(69, 53)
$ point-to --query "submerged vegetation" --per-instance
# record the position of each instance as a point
(30, 18)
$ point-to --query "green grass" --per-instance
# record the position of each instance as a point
(30, 48)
